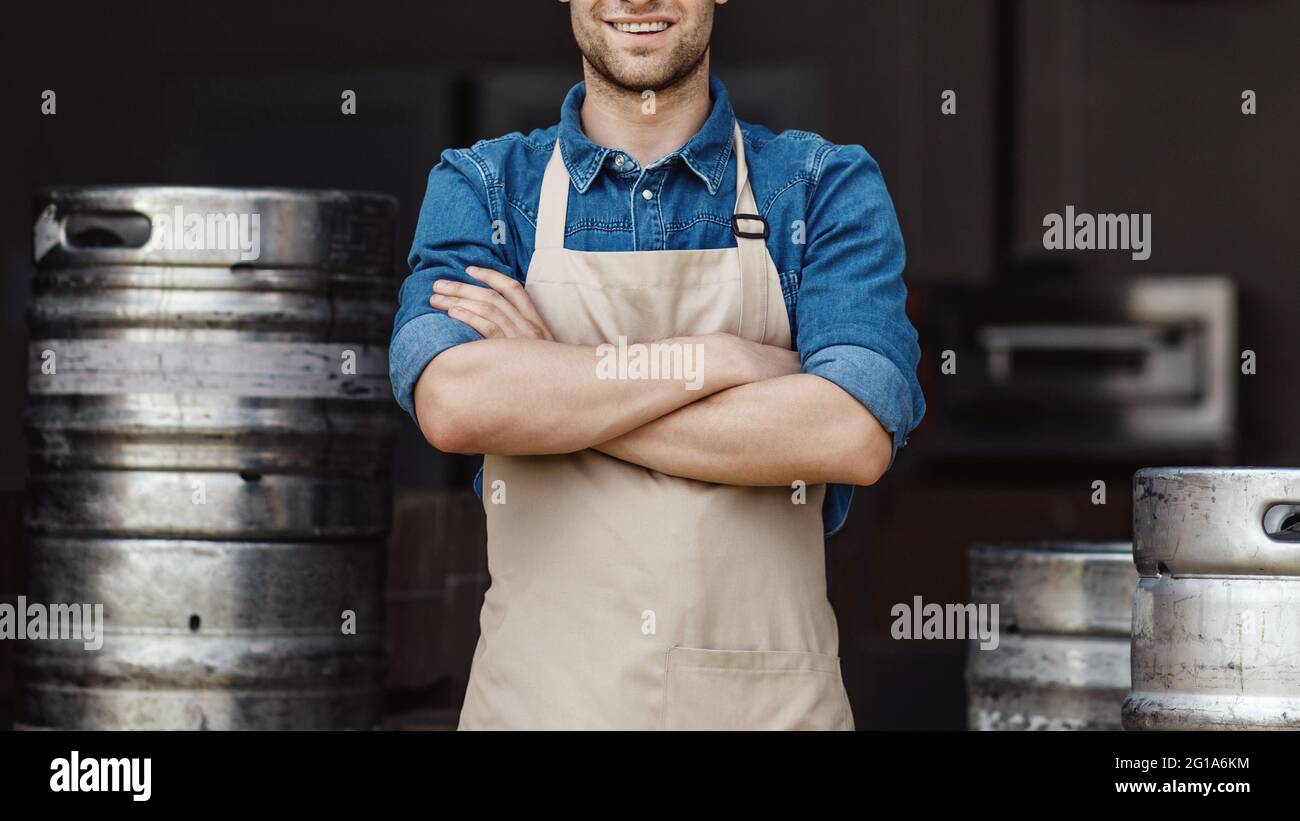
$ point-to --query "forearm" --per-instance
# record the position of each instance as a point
(530, 396)
(773, 432)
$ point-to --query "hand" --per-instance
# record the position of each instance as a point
(759, 362)
(501, 309)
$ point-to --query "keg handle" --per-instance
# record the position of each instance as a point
(1281, 521)
(106, 229)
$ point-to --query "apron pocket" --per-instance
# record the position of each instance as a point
(754, 690)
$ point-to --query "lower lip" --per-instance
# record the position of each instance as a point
(642, 37)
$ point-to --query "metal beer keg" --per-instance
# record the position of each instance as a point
(210, 426)
(1062, 660)
(1216, 617)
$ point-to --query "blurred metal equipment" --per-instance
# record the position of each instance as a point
(437, 576)
(1216, 617)
(1098, 369)
(1062, 662)
(209, 421)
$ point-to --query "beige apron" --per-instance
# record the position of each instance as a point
(623, 598)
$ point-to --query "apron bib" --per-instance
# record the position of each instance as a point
(623, 598)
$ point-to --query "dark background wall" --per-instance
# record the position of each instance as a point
(1107, 105)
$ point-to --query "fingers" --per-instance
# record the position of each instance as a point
(791, 360)
(486, 327)
(771, 361)
(501, 321)
(487, 309)
(483, 309)
(481, 301)
(513, 292)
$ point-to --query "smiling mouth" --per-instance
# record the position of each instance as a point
(642, 28)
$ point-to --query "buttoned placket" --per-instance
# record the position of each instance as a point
(647, 213)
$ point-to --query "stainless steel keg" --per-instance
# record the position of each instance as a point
(1216, 617)
(210, 426)
(1062, 660)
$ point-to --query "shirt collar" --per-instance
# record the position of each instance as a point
(707, 153)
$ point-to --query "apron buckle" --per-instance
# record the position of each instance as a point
(735, 226)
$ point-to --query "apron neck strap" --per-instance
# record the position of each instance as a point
(744, 192)
(553, 207)
(751, 248)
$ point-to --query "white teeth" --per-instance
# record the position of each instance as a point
(641, 28)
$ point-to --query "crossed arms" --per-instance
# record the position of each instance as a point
(757, 419)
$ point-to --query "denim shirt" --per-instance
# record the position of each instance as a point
(833, 236)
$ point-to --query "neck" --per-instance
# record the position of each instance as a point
(646, 128)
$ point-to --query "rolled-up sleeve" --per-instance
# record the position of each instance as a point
(851, 313)
(415, 345)
(456, 229)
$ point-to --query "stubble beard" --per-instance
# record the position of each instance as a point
(685, 61)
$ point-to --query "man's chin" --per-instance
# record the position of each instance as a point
(638, 81)
(641, 75)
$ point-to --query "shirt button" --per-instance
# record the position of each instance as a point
(646, 195)
(618, 160)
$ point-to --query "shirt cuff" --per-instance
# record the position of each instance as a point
(871, 379)
(415, 345)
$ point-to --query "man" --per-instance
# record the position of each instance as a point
(607, 309)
